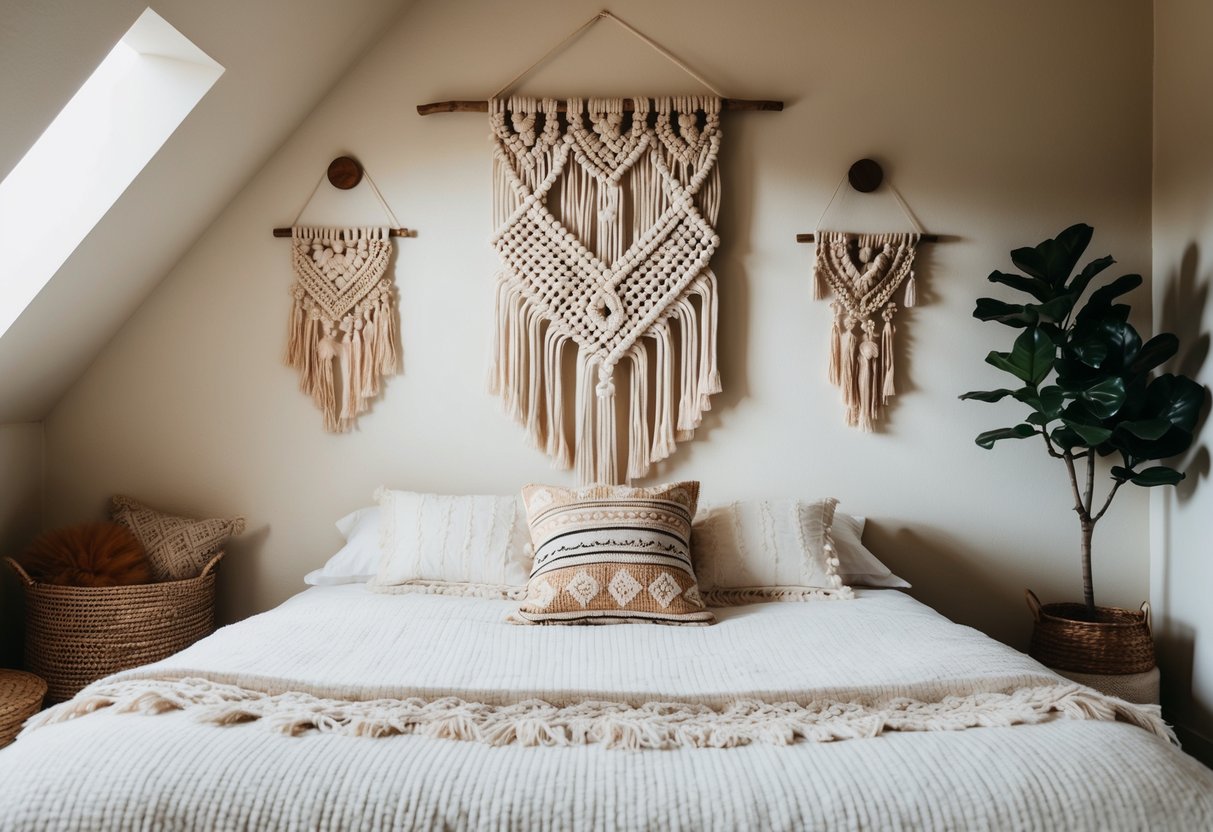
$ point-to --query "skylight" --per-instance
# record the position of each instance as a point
(92, 151)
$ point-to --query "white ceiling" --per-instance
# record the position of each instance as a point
(280, 57)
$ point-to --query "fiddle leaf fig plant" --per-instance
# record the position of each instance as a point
(1087, 379)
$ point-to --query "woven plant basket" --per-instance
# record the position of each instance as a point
(21, 696)
(1116, 642)
(77, 635)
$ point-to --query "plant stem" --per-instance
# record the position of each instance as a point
(1083, 510)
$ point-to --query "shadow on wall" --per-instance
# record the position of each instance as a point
(1182, 312)
(945, 576)
(236, 588)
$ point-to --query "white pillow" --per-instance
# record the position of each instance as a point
(857, 565)
(464, 545)
(753, 550)
(358, 560)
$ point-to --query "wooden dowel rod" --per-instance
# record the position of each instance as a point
(923, 238)
(394, 232)
(628, 106)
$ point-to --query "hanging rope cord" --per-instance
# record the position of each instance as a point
(576, 33)
(901, 203)
(395, 223)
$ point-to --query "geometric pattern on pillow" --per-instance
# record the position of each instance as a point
(178, 547)
(611, 555)
(767, 549)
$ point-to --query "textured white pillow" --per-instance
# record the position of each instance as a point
(358, 560)
(462, 545)
(857, 565)
(765, 549)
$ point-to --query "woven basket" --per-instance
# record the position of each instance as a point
(1117, 641)
(21, 696)
(76, 635)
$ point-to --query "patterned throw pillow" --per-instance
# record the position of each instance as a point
(178, 547)
(612, 554)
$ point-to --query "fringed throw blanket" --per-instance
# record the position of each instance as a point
(344, 328)
(864, 271)
(346, 661)
(604, 231)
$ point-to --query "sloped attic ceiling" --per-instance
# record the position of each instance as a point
(279, 56)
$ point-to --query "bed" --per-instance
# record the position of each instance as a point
(347, 709)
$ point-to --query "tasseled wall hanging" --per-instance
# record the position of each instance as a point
(865, 272)
(605, 230)
(344, 328)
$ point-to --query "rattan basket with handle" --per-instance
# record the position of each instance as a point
(21, 696)
(1114, 642)
(76, 635)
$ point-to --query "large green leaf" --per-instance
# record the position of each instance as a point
(1034, 286)
(1046, 401)
(1011, 314)
(1053, 260)
(1157, 475)
(987, 439)
(1080, 282)
(1104, 398)
(1030, 359)
(989, 395)
(1154, 353)
(1146, 428)
(1101, 299)
(1091, 434)
(1175, 398)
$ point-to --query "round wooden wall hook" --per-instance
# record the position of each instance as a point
(865, 175)
(344, 172)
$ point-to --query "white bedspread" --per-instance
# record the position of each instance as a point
(348, 645)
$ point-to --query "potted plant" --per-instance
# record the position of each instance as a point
(1091, 390)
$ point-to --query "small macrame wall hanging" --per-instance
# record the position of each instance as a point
(604, 213)
(865, 272)
(343, 332)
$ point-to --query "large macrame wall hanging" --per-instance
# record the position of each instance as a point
(603, 213)
(864, 272)
(343, 333)
(604, 232)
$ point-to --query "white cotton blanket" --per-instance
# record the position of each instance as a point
(173, 771)
(372, 665)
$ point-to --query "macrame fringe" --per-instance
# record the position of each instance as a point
(614, 725)
(622, 188)
(343, 323)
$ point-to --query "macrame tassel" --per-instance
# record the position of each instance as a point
(534, 393)
(820, 287)
(911, 298)
(689, 415)
(324, 390)
(849, 370)
(709, 374)
(583, 444)
(869, 379)
(557, 442)
(351, 356)
(296, 330)
(638, 406)
(886, 353)
(387, 326)
(604, 427)
(663, 430)
(836, 345)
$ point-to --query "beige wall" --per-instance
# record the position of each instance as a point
(20, 520)
(997, 129)
(1182, 518)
